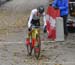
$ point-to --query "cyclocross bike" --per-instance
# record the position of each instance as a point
(34, 44)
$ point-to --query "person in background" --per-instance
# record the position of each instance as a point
(64, 11)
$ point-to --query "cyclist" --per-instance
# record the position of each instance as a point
(34, 19)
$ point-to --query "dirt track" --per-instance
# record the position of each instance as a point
(15, 53)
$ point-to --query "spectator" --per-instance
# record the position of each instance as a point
(63, 6)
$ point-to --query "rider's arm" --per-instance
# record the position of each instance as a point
(44, 18)
(30, 19)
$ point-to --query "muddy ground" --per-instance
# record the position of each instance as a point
(12, 42)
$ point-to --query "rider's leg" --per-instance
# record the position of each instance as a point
(35, 23)
(33, 38)
(28, 38)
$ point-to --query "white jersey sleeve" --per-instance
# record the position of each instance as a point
(33, 12)
(30, 18)
(44, 18)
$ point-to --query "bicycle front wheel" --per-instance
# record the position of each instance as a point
(37, 47)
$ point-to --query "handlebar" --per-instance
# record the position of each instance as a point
(36, 26)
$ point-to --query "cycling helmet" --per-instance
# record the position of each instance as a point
(40, 9)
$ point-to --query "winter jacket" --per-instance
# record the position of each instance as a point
(62, 5)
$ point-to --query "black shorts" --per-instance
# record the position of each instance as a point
(35, 22)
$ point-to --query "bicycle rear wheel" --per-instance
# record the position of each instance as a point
(37, 47)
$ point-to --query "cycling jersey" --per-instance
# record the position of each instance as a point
(34, 16)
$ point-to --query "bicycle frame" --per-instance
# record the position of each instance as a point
(34, 41)
(34, 33)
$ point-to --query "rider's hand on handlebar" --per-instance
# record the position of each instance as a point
(45, 29)
(29, 29)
